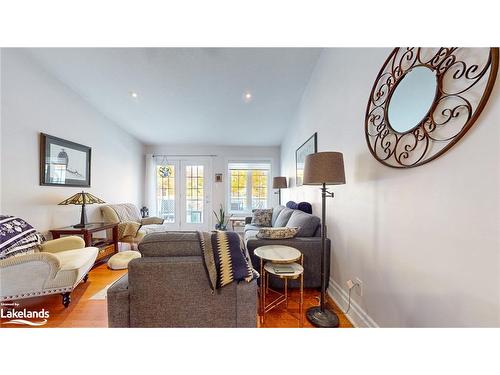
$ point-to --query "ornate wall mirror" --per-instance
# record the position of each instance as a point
(424, 100)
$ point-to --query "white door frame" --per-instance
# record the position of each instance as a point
(180, 193)
(207, 193)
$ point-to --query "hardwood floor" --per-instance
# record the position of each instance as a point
(288, 317)
(84, 312)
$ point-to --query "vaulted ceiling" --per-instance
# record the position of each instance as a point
(224, 96)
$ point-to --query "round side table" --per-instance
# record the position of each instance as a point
(271, 255)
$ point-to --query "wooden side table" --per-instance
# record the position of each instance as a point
(107, 246)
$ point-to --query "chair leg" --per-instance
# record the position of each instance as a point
(66, 299)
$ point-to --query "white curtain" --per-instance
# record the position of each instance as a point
(150, 188)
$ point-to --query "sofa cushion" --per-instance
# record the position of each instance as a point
(277, 233)
(276, 212)
(170, 244)
(262, 217)
(306, 222)
(251, 227)
(283, 217)
(305, 207)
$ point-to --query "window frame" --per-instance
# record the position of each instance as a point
(248, 208)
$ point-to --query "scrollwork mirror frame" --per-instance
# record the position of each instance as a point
(455, 108)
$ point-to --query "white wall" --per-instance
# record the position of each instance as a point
(424, 241)
(34, 102)
(219, 162)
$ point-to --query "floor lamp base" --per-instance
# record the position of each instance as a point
(322, 318)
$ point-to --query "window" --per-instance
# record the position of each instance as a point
(248, 186)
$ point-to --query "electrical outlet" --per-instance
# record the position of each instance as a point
(350, 284)
(359, 285)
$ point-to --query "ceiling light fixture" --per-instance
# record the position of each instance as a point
(247, 96)
(134, 95)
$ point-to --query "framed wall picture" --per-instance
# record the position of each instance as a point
(218, 177)
(308, 147)
(64, 163)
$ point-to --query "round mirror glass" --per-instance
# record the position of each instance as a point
(412, 98)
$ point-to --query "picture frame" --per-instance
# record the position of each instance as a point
(308, 147)
(64, 163)
(218, 177)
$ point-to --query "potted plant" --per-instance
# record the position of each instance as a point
(221, 219)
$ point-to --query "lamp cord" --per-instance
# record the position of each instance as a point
(349, 300)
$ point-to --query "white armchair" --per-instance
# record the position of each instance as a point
(58, 268)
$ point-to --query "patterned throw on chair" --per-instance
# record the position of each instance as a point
(225, 258)
(17, 237)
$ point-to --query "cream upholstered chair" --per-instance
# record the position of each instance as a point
(57, 269)
(131, 227)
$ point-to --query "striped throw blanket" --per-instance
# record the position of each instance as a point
(225, 258)
(17, 237)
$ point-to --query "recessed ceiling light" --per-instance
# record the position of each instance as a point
(247, 96)
(134, 95)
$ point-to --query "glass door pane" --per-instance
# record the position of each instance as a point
(194, 194)
(259, 188)
(165, 188)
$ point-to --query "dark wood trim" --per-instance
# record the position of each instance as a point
(66, 299)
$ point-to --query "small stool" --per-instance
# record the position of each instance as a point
(121, 260)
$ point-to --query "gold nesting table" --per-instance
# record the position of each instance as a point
(279, 254)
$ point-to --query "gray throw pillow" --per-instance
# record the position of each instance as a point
(283, 217)
(307, 223)
(262, 217)
(276, 212)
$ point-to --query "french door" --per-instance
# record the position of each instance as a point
(183, 191)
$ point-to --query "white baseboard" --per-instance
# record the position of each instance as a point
(356, 315)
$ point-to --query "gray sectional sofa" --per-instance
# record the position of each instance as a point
(168, 287)
(307, 241)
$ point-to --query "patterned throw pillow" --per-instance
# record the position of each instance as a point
(277, 233)
(262, 217)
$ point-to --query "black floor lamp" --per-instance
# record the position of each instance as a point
(323, 168)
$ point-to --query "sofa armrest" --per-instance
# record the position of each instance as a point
(246, 307)
(310, 247)
(27, 259)
(118, 304)
(26, 273)
(152, 220)
(63, 244)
